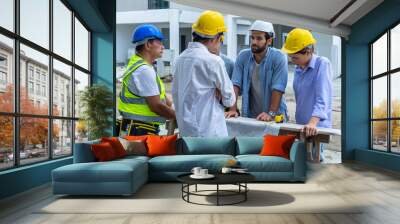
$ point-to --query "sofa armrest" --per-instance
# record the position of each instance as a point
(298, 156)
(83, 152)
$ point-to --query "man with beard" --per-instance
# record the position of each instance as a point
(260, 76)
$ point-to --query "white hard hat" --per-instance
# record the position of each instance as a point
(262, 26)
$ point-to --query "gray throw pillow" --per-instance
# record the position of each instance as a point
(134, 147)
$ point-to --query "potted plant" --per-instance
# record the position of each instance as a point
(96, 102)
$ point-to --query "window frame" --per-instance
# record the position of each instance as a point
(388, 74)
(158, 4)
(18, 40)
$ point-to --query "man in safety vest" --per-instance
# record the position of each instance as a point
(142, 101)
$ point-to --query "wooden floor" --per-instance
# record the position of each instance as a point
(378, 189)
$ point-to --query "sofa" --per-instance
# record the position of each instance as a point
(126, 175)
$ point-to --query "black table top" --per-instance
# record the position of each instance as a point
(220, 178)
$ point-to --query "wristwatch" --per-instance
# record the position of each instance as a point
(272, 114)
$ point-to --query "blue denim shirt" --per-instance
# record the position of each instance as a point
(313, 91)
(273, 75)
(229, 64)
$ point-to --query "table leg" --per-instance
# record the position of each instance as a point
(188, 190)
(195, 189)
(245, 192)
(309, 145)
(217, 194)
(317, 150)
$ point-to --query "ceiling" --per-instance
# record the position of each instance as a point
(326, 16)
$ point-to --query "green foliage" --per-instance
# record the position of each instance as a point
(97, 104)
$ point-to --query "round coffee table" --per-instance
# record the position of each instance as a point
(238, 179)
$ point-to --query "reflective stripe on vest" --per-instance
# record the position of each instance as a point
(142, 118)
(132, 106)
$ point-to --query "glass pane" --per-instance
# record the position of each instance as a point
(7, 14)
(35, 21)
(6, 74)
(6, 142)
(379, 97)
(379, 55)
(34, 97)
(81, 81)
(395, 47)
(81, 131)
(81, 45)
(395, 138)
(62, 29)
(33, 139)
(395, 95)
(62, 141)
(379, 135)
(62, 89)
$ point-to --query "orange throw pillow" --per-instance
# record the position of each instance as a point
(277, 145)
(116, 145)
(103, 151)
(161, 145)
(135, 138)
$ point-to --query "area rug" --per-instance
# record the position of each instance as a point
(167, 198)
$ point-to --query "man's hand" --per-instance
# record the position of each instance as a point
(310, 129)
(231, 113)
(264, 117)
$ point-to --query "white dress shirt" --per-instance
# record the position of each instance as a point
(197, 75)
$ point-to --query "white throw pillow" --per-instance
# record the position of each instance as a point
(134, 147)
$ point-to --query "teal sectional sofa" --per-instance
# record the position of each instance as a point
(125, 176)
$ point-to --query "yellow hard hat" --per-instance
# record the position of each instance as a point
(297, 40)
(209, 24)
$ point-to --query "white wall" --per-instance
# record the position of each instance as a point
(174, 5)
(131, 5)
(123, 43)
(327, 47)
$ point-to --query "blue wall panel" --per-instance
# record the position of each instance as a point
(103, 63)
(103, 52)
(379, 159)
(24, 178)
(357, 99)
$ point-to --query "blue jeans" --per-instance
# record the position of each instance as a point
(321, 152)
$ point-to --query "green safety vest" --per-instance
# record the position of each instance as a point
(132, 106)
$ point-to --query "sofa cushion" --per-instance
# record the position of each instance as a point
(112, 171)
(161, 145)
(103, 152)
(257, 163)
(117, 146)
(277, 145)
(93, 172)
(185, 163)
(134, 147)
(129, 159)
(202, 145)
(134, 137)
(249, 145)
